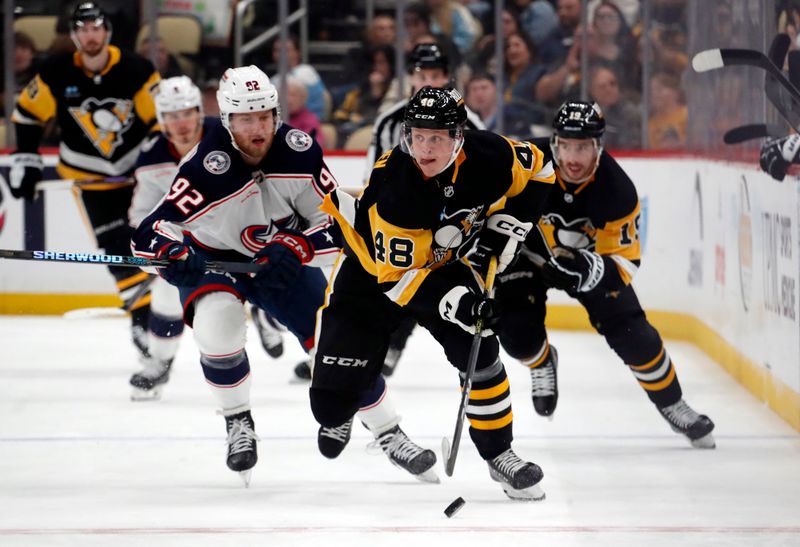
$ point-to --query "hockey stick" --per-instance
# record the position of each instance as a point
(121, 260)
(752, 131)
(121, 311)
(450, 451)
(85, 184)
(783, 96)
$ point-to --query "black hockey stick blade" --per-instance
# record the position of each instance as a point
(752, 131)
(712, 59)
(794, 68)
(121, 260)
(450, 450)
(778, 49)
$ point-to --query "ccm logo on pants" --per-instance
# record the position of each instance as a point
(344, 361)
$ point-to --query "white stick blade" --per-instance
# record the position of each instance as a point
(709, 59)
(94, 313)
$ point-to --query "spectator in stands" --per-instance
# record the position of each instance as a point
(166, 63)
(482, 57)
(556, 47)
(358, 62)
(360, 106)
(630, 10)
(538, 19)
(305, 73)
(417, 22)
(666, 125)
(522, 70)
(560, 84)
(25, 65)
(612, 42)
(480, 96)
(623, 120)
(299, 116)
(452, 19)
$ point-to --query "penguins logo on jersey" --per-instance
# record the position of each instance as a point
(256, 237)
(456, 233)
(575, 234)
(299, 141)
(104, 121)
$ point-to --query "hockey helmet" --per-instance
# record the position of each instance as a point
(177, 93)
(246, 89)
(427, 56)
(436, 108)
(88, 12)
(579, 120)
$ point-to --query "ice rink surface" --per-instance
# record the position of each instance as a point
(80, 464)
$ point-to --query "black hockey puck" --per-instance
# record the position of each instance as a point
(454, 507)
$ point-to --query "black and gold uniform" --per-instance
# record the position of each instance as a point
(104, 118)
(405, 242)
(596, 224)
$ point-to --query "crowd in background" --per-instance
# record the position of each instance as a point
(543, 63)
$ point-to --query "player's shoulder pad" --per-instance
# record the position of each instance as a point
(54, 65)
(155, 149)
(484, 146)
(136, 65)
(543, 144)
(212, 158)
(615, 186)
(294, 151)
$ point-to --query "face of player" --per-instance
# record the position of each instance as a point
(253, 133)
(434, 77)
(577, 158)
(183, 127)
(92, 38)
(432, 149)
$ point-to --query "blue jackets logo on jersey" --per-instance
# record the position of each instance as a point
(299, 141)
(217, 162)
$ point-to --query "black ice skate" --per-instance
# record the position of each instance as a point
(519, 479)
(242, 451)
(269, 331)
(332, 440)
(696, 427)
(148, 383)
(405, 454)
(302, 372)
(544, 385)
(389, 364)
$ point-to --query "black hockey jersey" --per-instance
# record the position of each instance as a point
(602, 214)
(103, 117)
(225, 205)
(404, 227)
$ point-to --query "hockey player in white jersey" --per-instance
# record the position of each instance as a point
(251, 190)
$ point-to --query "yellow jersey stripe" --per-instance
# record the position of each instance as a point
(489, 393)
(485, 425)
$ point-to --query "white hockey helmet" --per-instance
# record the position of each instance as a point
(175, 94)
(246, 89)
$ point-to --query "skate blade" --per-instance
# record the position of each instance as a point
(706, 442)
(533, 493)
(245, 476)
(428, 476)
(139, 395)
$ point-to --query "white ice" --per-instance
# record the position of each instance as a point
(80, 464)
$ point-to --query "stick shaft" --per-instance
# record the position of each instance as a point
(86, 184)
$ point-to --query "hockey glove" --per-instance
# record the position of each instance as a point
(464, 308)
(282, 257)
(574, 271)
(778, 154)
(185, 267)
(26, 171)
(502, 237)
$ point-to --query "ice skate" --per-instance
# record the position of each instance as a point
(544, 385)
(696, 427)
(332, 440)
(302, 372)
(406, 455)
(390, 362)
(148, 383)
(242, 450)
(269, 332)
(519, 479)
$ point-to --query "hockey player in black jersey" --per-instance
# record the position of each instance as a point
(588, 245)
(251, 190)
(428, 204)
(101, 99)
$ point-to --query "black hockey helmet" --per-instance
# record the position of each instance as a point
(436, 108)
(579, 120)
(88, 12)
(427, 56)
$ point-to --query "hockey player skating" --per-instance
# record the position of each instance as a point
(427, 204)
(590, 226)
(101, 99)
(179, 109)
(251, 190)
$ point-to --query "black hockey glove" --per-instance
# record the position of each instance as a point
(778, 154)
(185, 267)
(502, 237)
(26, 171)
(282, 258)
(464, 308)
(576, 270)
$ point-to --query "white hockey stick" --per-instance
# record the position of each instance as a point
(86, 184)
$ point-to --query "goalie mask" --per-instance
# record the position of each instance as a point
(578, 121)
